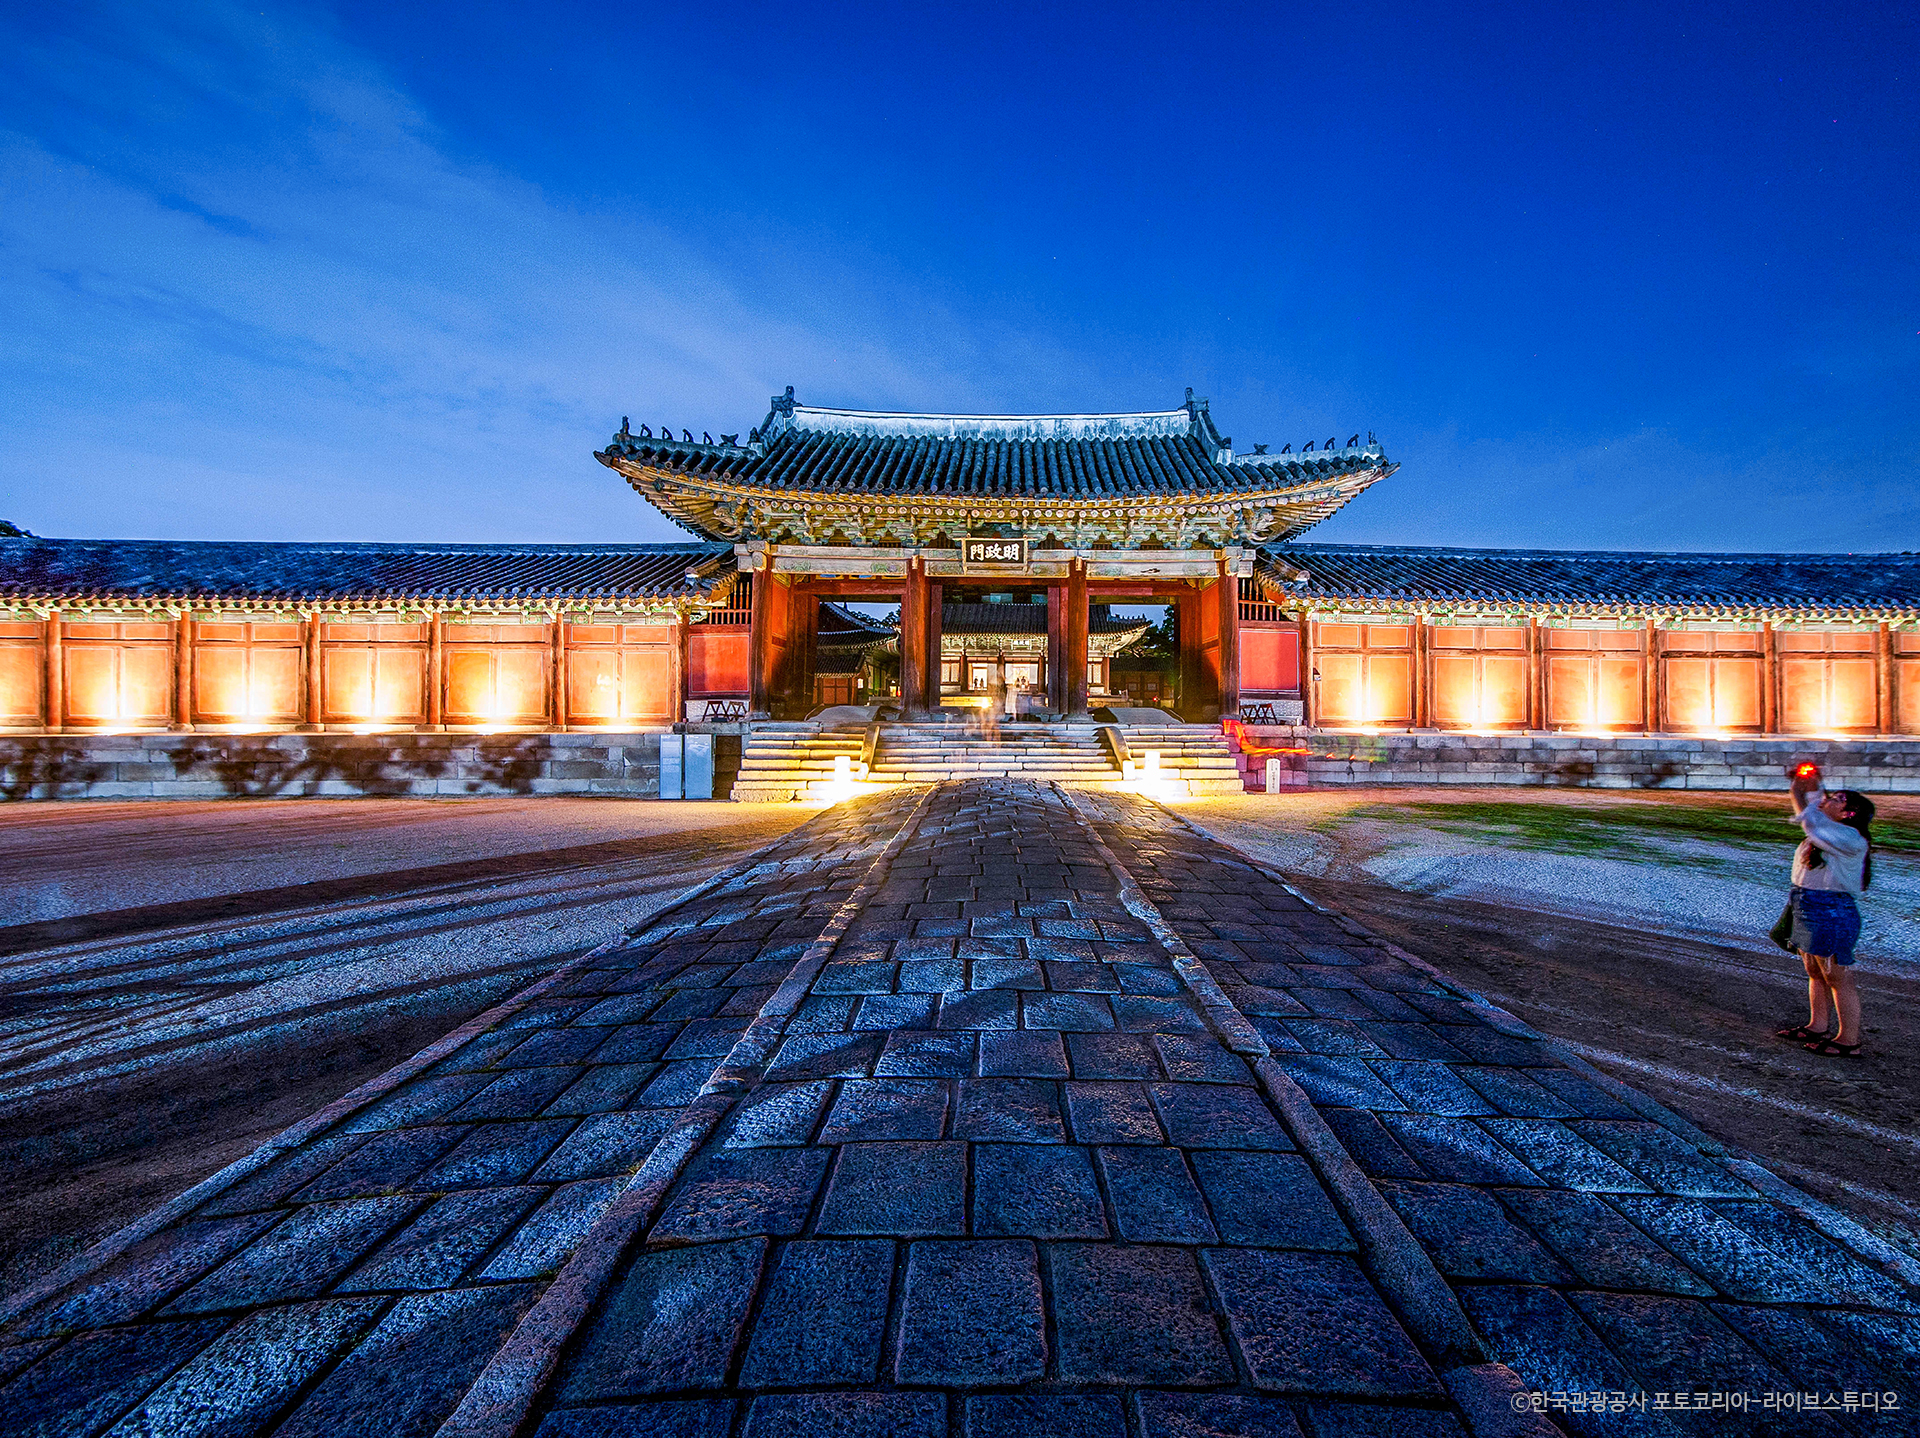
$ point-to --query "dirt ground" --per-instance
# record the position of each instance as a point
(1692, 1017)
(214, 1014)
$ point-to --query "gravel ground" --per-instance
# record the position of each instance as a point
(1636, 936)
(182, 981)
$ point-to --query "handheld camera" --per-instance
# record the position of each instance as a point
(1806, 775)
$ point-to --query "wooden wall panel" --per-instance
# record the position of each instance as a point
(23, 669)
(116, 684)
(1596, 679)
(716, 660)
(375, 684)
(1269, 659)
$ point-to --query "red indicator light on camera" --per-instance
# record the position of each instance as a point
(1806, 771)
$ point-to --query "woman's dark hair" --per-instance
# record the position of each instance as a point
(1859, 818)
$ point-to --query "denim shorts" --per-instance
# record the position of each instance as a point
(1825, 924)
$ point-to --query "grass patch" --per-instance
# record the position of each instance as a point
(1606, 830)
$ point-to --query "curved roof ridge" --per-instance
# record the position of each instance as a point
(901, 424)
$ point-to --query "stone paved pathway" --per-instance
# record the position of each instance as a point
(985, 1110)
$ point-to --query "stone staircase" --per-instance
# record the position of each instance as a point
(782, 762)
(1194, 759)
(929, 753)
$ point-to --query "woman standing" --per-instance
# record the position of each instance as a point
(1831, 865)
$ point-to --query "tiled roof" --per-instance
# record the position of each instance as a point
(1885, 585)
(1018, 619)
(154, 569)
(1170, 455)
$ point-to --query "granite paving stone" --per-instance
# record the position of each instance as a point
(1456, 1149)
(847, 1415)
(1670, 1342)
(972, 1314)
(1216, 1415)
(89, 1382)
(823, 1315)
(887, 1108)
(1036, 1191)
(932, 1055)
(495, 1153)
(1026, 1110)
(1269, 1200)
(656, 1418)
(1216, 1116)
(299, 1257)
(605, 1144)
(1469, 1235)
(734, 1192)
(1112, 1113)
(1537, 1333)
(1561, 1156)
(906, 1189)
(542, 1243)
(1338, 1081)
(1663, 1159)
(252, 1370)
(444, 1242)
(778, 1114)
(1135, 1315)
(1312, 1323)
(1428, 1087)
(407, 1374)
(1024, 1415)
(383, 1164)
(1023, 1054)
(671, 1325)
(1155, 1199)
(1112, 1056)
(1724, 1253)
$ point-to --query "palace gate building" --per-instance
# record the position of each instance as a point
(1005, 541)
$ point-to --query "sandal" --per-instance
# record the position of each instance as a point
(1829, 1048)
(1802, 1034)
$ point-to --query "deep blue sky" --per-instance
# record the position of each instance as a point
(1600, 277)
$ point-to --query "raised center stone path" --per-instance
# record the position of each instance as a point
(985, 1110)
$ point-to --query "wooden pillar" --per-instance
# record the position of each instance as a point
(759, 641)
(1229, 642)
(913, 640)
(806, 633)
(1186, 609)
(1422, 673)
(559, 670)
(1057, 648)
(1309, 691)
(183, 672)
(677, 670)
(316, 695)
(54, 708)
(936, 630)
(436, 670)
(1077, 624)
(1883, 699)
(1656, 679)
(1769, 679)
(1536, 675)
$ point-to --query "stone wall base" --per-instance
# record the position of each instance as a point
(299, 766)
(1582, 761)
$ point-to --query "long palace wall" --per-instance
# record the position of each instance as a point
(97, 672)
(1602, 675)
